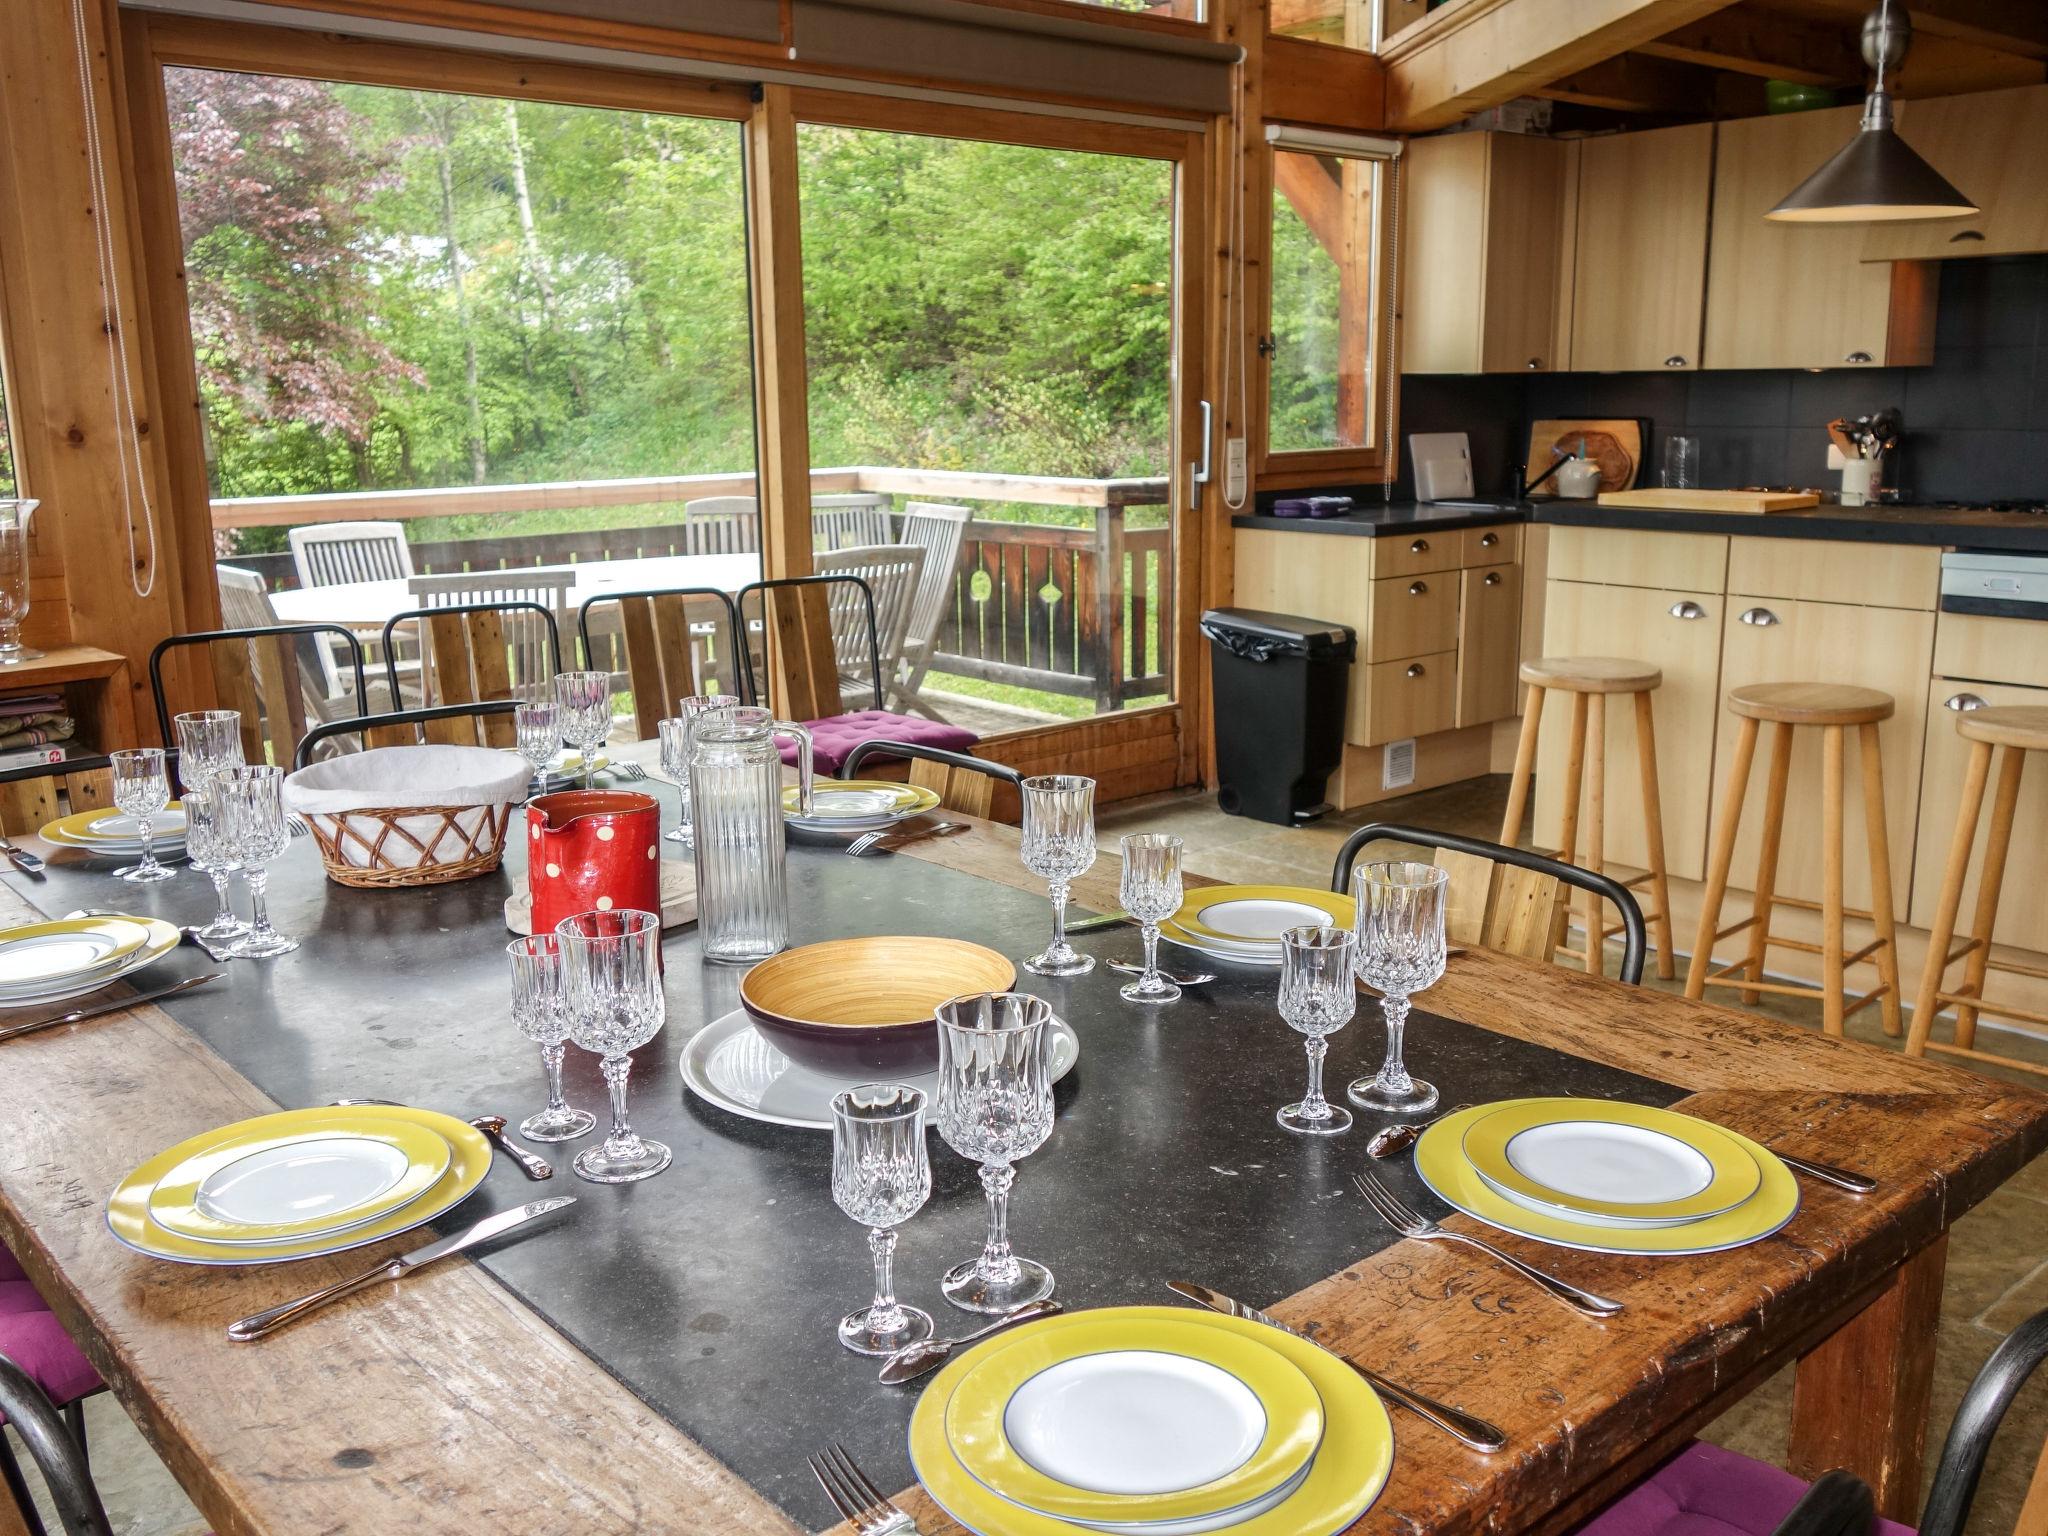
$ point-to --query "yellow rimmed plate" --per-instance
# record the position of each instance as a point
(128, 1206)
(163, 938)
(1256, 915)
(328, 1173)
(1440, 1159)
(850, 802)
(1038, 1421)
(1346, 1476)
(37, 956)
(76, 831)
(1624, 1162)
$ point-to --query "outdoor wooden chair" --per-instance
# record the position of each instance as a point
(851, 519)
(937, 529)
(1504, 898)
(457, 725)
(328, 554)
(663, 646)
(722, 525)
(891, 573)
(973, 786)
(264, 672)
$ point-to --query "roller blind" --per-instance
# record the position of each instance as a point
(754, 20)
(1318, 141)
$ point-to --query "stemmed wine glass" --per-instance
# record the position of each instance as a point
(1318, 998)
(539, 1012)
(538, 723)
(881, 1176)
(585, 702)
(689, 710)
(208, 741)
(1150, 892)
(612, 989)
(142, 789)
(1059, 843)
(251, 804)
(1400, 953)
(995, 1106)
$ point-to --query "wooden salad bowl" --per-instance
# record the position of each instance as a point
(865, 1005)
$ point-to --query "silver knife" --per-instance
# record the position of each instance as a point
(112, 1005)
(904, 840)
(22, 859)
(1827, 1173)
(1460, 1425)
(257, 1326)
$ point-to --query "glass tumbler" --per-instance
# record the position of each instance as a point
(142, 789)
(1681, 463)
(1400, 953)
(1059, 844)
(881, 1177)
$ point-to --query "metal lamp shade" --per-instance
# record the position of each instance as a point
(1876, 176)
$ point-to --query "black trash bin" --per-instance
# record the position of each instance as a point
(1280, 683)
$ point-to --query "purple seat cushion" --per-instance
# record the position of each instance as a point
(33, 1339)
(1707, 1491)
(835, 736)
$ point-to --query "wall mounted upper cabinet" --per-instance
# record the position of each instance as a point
(1639, 284)
(1800, 295)
(1993, 146)
(1479, 260)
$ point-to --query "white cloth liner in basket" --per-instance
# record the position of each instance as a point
(391, 778)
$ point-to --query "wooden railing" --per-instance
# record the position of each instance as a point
(1080, 611)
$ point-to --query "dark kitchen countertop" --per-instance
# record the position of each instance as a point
(1387, 521)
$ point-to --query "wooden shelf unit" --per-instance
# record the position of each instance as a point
(97, 694)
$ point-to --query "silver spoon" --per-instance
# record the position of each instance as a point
(493, 1127)
(1128, 969)
(1391, 1139)
(911, 1363)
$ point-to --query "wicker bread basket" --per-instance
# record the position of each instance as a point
(405, 816)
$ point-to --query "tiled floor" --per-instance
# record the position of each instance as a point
(1998, 1254)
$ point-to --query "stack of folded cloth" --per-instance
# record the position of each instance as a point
(34, 729)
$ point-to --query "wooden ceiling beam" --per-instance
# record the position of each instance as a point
(1769, 44)
(2006, 26)
(1322, 19)
(1634, 83)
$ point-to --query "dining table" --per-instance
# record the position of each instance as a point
(661, 1356)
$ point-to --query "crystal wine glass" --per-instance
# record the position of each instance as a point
(1400, 952)
(881, 1176)
(689, 710)
(1318, 998)
(995, 1106)
(208, 741)
(585, 700)
(539, 727)
(142, 789)
(252, 808)
(612, 988)
(1150, 892)
(674, 734)
(1059, 843)
(540, 1014)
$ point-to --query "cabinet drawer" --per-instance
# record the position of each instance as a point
(1417, 697)
(1830, 571)
(1489, 643)
(2023, 903)
(1491, 546)
(1412, 616)
(1972, 645)
(1628, 557)
(1414, 554)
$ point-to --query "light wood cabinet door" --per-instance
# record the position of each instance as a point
(1417, 697)
(1489, 643)
(2023, 897)
(1412, 616)
(1777, 641)
(1801, 295)
(1639, 288)
(1992, 146)
(1582, 619)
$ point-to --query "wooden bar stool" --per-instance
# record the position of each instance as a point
(2014, 731)
(1589, 680)
(1834, 708)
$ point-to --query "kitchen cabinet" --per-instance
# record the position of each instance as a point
(1678, 632)
(1412, 616)
(1489, 643)
(1773, 640)
(1481, 232)
(1801, 295)
(1831, 571)
(1625, 557)
(1992, 146)
(1640, 241)
(2023, 898)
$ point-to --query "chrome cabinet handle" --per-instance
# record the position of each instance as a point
(1674, 361)
(1965, 234)
(1488, 540)
(1859, 356)
(1418, 588)
(1419, 547)
(1963, 702)
(1535, 362)
(1688, 610)
(1762, 618)
(1493, 578)
(1415, 669)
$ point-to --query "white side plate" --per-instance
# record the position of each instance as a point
(1135, 1422)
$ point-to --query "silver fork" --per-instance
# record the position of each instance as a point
(859, 1502)
(897, 837)
(1397, 1215)
(632, 771)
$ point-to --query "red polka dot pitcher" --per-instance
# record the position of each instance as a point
(592, 850)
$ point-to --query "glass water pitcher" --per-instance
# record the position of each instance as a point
(736, 814)
(14, 515)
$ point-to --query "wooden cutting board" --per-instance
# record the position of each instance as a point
(1711, 501)
(1614, 443)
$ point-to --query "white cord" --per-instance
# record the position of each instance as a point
(1233, 330)
(121, 385)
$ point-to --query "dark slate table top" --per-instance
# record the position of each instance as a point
(713, 1290)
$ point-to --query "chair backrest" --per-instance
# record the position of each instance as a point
(59, 1457)
(846, 519)
(796, 617)
(244, 599)
(493, 648)
(328, 554)
(666, 645)
(1985, 1400)
(891, 573)
(1504, 898)
(722, 525)
(266, 672)
(936, 528)
(458, 725)
(973, 786)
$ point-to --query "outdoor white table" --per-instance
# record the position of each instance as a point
(368, 604)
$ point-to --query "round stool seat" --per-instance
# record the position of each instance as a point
(1592, 674)
(2012, 725)
(1811, 703)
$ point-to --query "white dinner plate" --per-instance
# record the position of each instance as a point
(39, 956)
(119, 827)
(163, 938)
(1234, 954)
(730, 1064)
(1260, 920)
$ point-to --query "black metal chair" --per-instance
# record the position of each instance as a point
(813, 689)
(283, 707)
(659, 642)
(490, 670)
(1634, 935)
(963, 783)
(58, 1455)
(369, 725)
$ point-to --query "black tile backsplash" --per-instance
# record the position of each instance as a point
(1976, 419)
